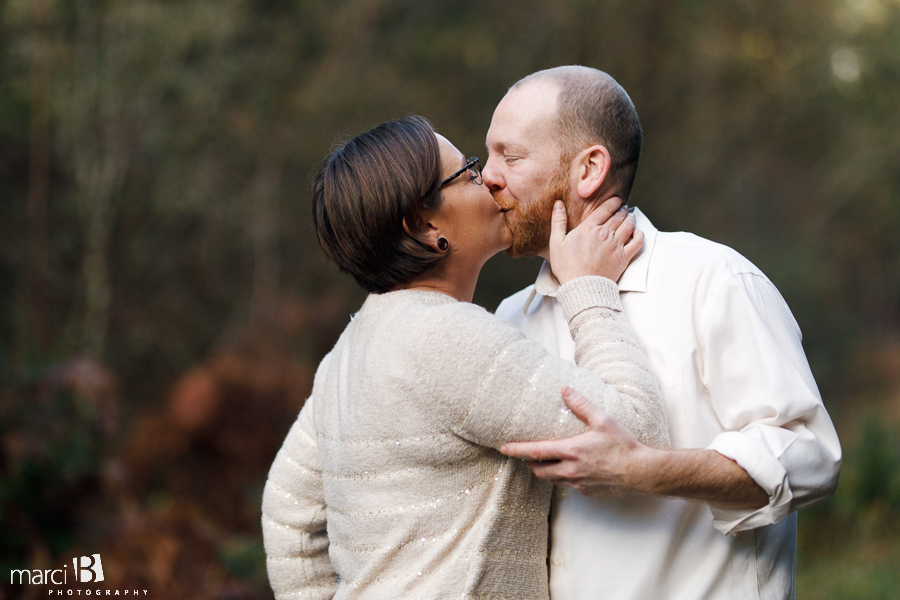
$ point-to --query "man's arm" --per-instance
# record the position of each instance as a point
(775, 428)
(607, 459)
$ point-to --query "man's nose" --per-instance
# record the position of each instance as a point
(491, 176)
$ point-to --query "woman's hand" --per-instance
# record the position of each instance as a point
(602, 244)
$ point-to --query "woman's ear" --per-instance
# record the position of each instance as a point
(592, 166)
(428, 234)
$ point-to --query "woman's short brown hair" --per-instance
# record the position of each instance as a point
(365, 190)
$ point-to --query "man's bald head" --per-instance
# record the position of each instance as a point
(592, 108)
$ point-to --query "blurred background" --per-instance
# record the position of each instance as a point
(163, 303)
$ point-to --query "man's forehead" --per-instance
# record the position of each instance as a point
(527, 111)
(538, 95)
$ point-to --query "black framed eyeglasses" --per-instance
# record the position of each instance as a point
(472, 165)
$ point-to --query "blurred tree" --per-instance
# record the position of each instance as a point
(92, 128)
(39, 175)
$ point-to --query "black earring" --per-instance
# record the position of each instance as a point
(443, 244)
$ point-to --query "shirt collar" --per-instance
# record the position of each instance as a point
(634, 279)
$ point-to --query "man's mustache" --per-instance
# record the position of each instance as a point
(505, 204)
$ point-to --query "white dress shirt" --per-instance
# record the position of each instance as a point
(734, 378)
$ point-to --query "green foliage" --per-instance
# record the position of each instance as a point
(850, 546)
(53, 446)
(858, 571)
(245, 558)
(873, 468)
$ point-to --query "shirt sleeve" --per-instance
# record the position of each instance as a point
(293, 518)
(765, 396)
(493, 385)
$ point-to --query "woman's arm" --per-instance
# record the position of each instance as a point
(492, 385)
(497, 386)
(606, 344)
(293, 518)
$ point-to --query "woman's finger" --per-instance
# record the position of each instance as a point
(627, 227)
(610, 228)
(634, 245)
(624, 230)
(604, 212)
(558, 223)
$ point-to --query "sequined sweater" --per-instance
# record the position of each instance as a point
(389, 484)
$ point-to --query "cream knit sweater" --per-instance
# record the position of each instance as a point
(389, 485)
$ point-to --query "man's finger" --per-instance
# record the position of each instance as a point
(532, 450)
(581, 407)
(558, 221)
(549, 470)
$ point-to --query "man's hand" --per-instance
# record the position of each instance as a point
(603, 243)
(599, 461)
(608, 459)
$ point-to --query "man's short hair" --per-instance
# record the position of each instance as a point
(592, 108)
(366, 190)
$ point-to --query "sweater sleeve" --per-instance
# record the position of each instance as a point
(293, 518)
(496, 386)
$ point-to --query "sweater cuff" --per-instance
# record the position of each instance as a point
(591, 291)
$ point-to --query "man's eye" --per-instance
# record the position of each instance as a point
(510, 159)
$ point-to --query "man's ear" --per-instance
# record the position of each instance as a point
(428, 234)
(591, 166)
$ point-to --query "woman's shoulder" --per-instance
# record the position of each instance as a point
(463, 317)
(460, 328)
(433, 315)
(429, 326)
(424, 306)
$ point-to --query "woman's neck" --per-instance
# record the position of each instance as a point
(447, 279)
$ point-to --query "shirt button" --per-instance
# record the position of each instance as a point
(562, 492)
(559, 560)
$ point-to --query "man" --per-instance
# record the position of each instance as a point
(715, 516)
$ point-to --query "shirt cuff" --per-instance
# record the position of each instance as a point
(591, 291)
(754, 457)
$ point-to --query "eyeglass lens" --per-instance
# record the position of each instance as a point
(475, 168)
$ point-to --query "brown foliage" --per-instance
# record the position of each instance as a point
(186, 488)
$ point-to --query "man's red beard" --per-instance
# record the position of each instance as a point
(531, 226)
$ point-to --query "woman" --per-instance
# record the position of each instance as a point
(389, 485)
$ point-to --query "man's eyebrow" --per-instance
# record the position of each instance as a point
(510, 148)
